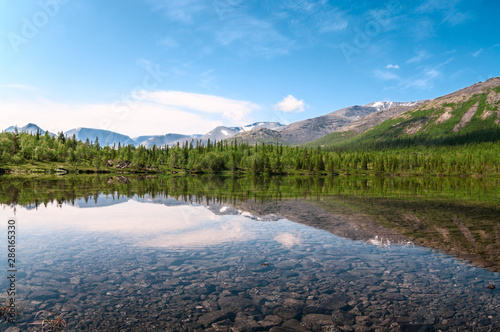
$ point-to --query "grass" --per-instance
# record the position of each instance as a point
(49, 321)
(8, 312)
(43, 167)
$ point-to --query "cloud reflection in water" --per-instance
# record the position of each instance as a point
(153, 225)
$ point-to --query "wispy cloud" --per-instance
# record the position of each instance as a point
(168, 42)
(252, 36)
(386, 75)
(331, 20)
(484, 50)
(391, 66)
(422, 28)
(426, 78)
(207, 79)
(290, 104)
(431, 6)
(250, 29)
(456, 18)
(449, 9)
(421, 55)
(305, 18)
(476, 54)
(183, 11)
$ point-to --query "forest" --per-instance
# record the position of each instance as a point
(23, 151)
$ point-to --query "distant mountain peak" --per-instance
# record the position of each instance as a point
(105, 137)
(268, 125)
(30, 128)
(383, 105)
(380, 105)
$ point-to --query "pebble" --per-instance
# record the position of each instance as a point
(342, 286)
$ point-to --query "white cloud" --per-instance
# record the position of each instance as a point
(133, 119)
(288, 240)
(290, 104)
(139, 113)
(235, 110)
(158, 112)
(390, 66)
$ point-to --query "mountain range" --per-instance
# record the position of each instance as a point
(308, 130)
(221, 133)
(460, 113)
(468, 115)
(106, 137)
(268, 132)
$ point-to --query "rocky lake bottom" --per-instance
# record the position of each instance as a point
(133, 265)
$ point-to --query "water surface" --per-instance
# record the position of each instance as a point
(144, 254)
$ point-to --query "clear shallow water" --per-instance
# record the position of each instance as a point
(154, 264)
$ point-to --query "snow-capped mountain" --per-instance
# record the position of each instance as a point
(295, 133)
(223, 132)
(140, 139)
(268, 125)
(383, 105)
(162, 140)
(311, 129)
(111, 138)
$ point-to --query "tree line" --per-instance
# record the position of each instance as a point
(231, 156)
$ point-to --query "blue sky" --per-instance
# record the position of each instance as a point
(156, 66)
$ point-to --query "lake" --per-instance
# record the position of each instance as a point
(109, 253)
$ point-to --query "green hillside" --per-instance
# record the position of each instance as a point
(470, 115)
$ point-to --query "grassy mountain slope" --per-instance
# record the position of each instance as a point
(365, 123)
(470, 115)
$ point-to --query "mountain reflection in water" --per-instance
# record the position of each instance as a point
(187, 254)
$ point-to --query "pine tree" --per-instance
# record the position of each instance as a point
(96, 144)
